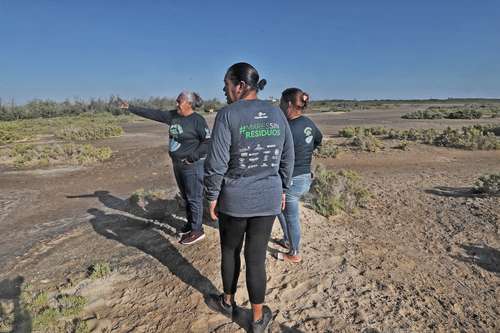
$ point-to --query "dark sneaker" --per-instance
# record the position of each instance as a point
(260, 326)
(217, 303)
(186, 229)
(192, 237)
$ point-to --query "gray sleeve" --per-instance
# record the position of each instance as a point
(287, 159)
(157, 115)
(217, 161)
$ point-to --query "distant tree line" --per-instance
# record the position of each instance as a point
(39, 108)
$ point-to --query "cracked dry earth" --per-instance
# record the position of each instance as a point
(423, 256)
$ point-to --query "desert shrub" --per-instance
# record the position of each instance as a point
(367, 142)
(333, 192)
(403, 145)
(350, 132)
(424, 114)
(472, 138)
(328, 149)
(424, 135)
(89, 133)
(439, 113)
(99, 270)
(376, 130)
(71, 305)
(7, 319)
(488, 184)
(54, 312)
(26, 155)
(464, 114)
(82, 127)
(347, 132)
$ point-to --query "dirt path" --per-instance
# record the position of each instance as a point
(424, 256)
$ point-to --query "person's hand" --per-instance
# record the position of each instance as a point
(283, 201)
(211, 208)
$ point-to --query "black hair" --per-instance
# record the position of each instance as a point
(243, 72)
(295, 96)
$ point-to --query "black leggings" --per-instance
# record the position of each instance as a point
(256, 232)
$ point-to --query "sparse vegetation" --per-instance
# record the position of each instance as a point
(334, 192)
(49, 109)
(403, 145)
(367, 142)
(471, 138)
(328, 149)
(54, 312)
(29, 155)
(89, 133)
(99, 270)
(488, 184)
(98, 125)
(350, 132)
(446, 113)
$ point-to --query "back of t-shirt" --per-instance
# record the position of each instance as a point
(306, 137)
(250, 160)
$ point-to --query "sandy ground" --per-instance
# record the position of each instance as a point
(424, 256)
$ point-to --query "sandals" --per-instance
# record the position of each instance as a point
(288, 258)
(283, 243)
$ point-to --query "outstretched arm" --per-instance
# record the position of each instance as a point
(156, 115)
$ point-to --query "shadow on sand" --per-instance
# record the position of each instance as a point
(164, 210)
(145, 237)
(456, 192)
(483, 256)
(10, 291)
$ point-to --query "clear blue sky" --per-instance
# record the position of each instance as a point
(332, 49)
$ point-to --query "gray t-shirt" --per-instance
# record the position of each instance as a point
(250, 159)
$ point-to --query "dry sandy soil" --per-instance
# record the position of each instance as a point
(424, 256)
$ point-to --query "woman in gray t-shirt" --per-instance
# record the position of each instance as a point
(248, 168)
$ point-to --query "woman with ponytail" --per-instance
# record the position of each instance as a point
(306, 138)
(247, 171)
(189, 136)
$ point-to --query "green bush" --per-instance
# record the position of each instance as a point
(464, 114)
(438, 113)
(488, 184)
(350, 132)
(403, 145)
(89, 133)
(333, 192)
(328, 149)
(424, 114)
(54, 312)
(471, 138)
(99, 270)
(28, 155)
(71, 305)
(347, 132)
(367, 142)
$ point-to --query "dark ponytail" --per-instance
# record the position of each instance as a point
(243, 72)
(296, 96)
(197, 101)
